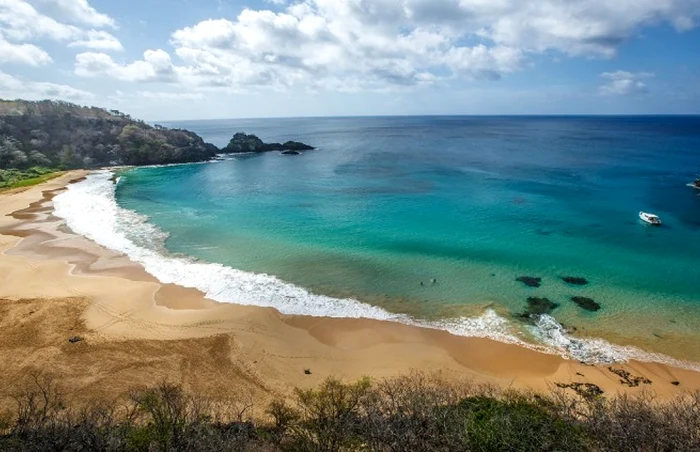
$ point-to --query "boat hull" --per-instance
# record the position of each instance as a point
(649, 219)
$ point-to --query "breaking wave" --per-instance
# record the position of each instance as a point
(89, 208)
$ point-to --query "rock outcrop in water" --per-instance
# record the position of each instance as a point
(242, 142)
(537, 306)
(575, 280)
(530, 281)
(586, 303)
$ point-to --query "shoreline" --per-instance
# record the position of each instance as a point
(123, 305)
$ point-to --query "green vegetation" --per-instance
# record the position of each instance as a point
(407, 414)
(14, 178)
(62, 135)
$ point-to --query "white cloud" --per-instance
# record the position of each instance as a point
(23, 53)
(76, 11)
(352, 45)
(156, 66)
(164, 96)
(14, 88)
(620, 83)
(21, 23)
(98, 40)
(160, 95)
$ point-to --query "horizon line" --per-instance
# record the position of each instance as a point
(521, 115)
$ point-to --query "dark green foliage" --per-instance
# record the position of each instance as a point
(405, 414)
(518, 423)
(63, 135)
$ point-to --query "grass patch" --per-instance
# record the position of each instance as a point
(14, 178)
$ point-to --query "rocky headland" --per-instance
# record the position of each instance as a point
(242, 142)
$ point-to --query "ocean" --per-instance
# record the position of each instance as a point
(430, 221)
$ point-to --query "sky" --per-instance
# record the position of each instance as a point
(166, 60)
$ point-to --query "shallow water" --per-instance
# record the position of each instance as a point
(387, 203)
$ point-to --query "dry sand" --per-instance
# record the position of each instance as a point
(137, 331)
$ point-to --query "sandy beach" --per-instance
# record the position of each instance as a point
(136, 331)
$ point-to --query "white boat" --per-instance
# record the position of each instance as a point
(650, 218)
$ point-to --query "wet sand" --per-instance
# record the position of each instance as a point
(137, 331)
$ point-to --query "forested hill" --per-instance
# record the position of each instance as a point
(64, 135)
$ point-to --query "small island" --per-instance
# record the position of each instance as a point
(242, 142)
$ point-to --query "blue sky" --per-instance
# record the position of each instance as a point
(191, 59)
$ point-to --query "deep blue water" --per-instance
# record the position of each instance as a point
(384, 204)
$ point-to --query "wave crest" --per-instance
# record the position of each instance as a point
(90, 209)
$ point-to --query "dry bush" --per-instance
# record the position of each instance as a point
(418, 412)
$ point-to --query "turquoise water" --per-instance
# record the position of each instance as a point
(387, 203)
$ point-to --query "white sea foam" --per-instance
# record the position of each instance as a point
(590, 350)
(89, 208)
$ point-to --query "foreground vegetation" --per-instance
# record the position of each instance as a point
(15, 178)
(63, 135)
(414, 413)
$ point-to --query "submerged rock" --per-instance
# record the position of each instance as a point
(586, 303)
(537, 306)
(577, 281)
(291, 152)
(530, 281)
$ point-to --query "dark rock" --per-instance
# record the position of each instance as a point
(307, 371)
(675, 383)
(537, 306)
(628, 379)
(242, 142)
(291, 152)
(530, 281)
(297, 146)
(575, 280)
(586, 303)
(75, 339)
(585, 390)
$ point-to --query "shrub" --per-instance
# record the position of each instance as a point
(412, 413)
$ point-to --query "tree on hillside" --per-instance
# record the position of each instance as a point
(52, 134)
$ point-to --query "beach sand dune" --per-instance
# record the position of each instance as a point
(55, 285)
